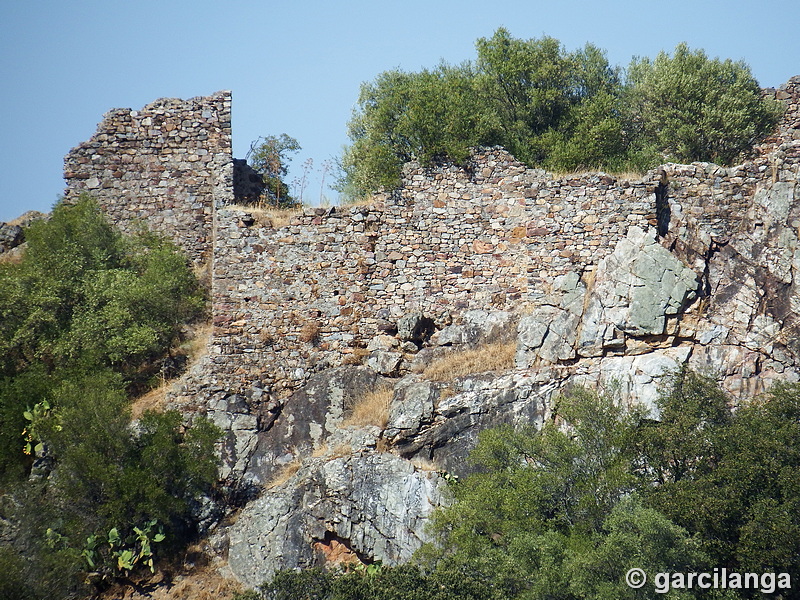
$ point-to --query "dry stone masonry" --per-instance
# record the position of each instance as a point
(593, 279)
(163, 165)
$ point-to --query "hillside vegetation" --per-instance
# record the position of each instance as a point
(87, 319)
(565, 511)
(555, 109)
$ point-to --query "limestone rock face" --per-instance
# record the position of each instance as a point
(375, 505)
(441, 422)
(307, 420)
(633, 293)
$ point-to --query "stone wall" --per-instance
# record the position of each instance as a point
(312, 294)
(292, 299)
(163, 165)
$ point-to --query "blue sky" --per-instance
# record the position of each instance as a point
(296, 67)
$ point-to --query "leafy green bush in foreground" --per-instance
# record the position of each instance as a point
(86, 317)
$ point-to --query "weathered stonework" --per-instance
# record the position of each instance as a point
(596, 280)
(163, 166)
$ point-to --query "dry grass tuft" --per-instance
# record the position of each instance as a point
(10, 258)
(423, 464)
(372, 409)
(491, 357)
(366, 201)
(286, 473)
(269, 217)
(446, 392)
(320, 450)
(203, 273)
(310, 332)
(187, 589)
(383, 445)
(356, 357)
(203, 581)
(194, 349)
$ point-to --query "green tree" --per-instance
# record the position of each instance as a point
(423, 116)
(86, 296)
(555, 109)
(692, 108)
(732, 479)
(545, 95)
(270, 156)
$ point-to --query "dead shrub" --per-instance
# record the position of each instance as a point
(490, 357)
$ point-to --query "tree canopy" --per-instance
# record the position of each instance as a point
(557, 109)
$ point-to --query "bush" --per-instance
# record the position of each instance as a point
(84, 299)
(693, 108)
(87, 316)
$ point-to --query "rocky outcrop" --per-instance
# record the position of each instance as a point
(374, 505)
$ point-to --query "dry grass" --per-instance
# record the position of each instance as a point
(285, 474)
(371, 409)
(198, 580)
(356, 357)
(320, 450)
(269, 217)
(154, 401)
(423, 464)
(331, 453)
(366, 201)
(203, 273)
(309, 333)
(618, 175)
(11, 257)
(194, 349)
(491, 357)
(446, 392)
(197, 347)
(382, 445)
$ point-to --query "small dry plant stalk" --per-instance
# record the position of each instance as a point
(372, 409)
(491, 357)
